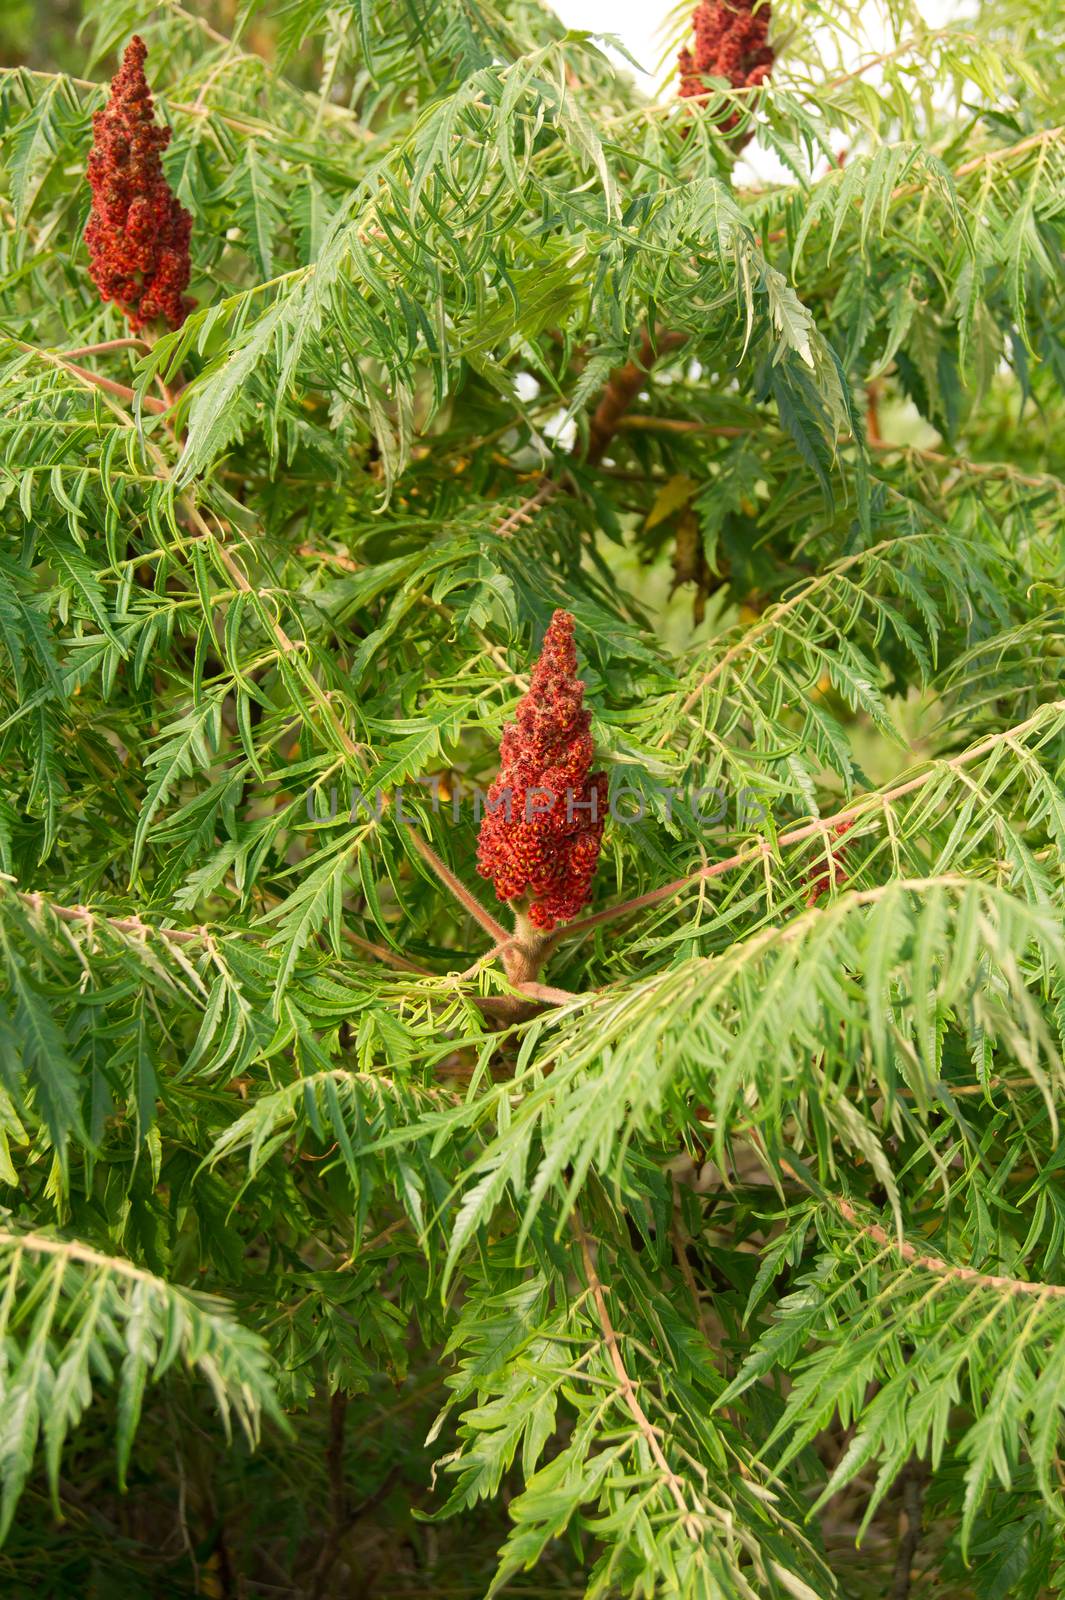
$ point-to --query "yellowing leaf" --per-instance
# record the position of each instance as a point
(672, 495)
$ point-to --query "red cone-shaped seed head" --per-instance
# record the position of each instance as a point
(730, 42)
(138, 234)
(543, 823)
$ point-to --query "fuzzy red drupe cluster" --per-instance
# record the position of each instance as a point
(541, 832)
(138, 233)
(731, 42)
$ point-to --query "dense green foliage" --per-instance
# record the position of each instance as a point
(747, 1241)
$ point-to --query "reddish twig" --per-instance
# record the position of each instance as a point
(102, 349)
(390, 957)
(141, 345)
(626, 1386)
(991, 158)
(522, 515)
(458, 889)
(332, 558)
(947, 1269)
(551, 996)
(133, 926)
(120, 391)
(820, 825)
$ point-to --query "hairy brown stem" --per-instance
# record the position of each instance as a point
(107, 386)
(504, 942)
(624, 385)
(465, 899)
(621, 389)
(504, 1007)
(527, 950)
(991, 158)
(912, 1485)
(35, 901)
(338, 1497)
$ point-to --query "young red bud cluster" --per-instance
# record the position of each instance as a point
(731, 42)
(543, 826)
(138, 233)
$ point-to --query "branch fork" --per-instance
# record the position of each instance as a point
(524, 952)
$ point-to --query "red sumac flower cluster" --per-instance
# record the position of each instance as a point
(138, 232)
(731, 42)
(541, 833)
